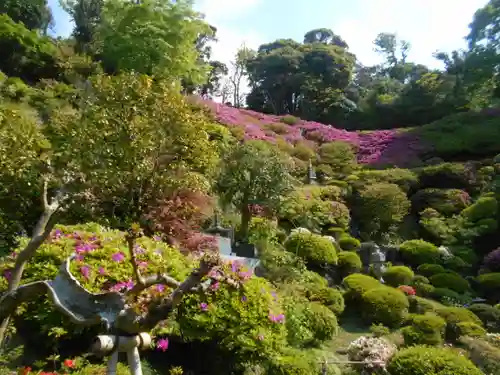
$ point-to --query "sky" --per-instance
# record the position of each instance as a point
(429, 25)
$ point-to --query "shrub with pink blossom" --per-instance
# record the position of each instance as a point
(239, 310)
(381, 147)
(373, 352)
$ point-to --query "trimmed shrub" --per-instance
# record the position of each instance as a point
(348, 243)
(427, 329)
(483, 208)
(419, 279)
(489, 315)
(379, 330)
(419, 252)
(445, 201)
(339, 156)
(321, 321)
(404, 178)
(451, 281)
(313, 248)
(483, 354)
(385, 305)
(398, 275)
(419, 305)
(445, 176)
(380, 207)
(455, 315)
(348, 263)
(422, 360)
(330, 297)
(423, 290)
(308, 322)
(470, 329)
(290, 120)
(357, 284)
(489, 285)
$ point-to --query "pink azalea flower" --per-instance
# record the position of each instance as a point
(118, 257)
(162, 344)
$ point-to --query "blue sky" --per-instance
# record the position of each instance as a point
(429, 25)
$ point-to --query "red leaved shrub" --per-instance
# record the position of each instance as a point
(179, 217)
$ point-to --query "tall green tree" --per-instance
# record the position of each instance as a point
(152, 37)
(306, 79)
(252, 173)
(86, 15)
(34, 14)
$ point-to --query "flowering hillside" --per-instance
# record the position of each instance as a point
(381, 147)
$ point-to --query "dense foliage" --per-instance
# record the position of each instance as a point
(112, 149)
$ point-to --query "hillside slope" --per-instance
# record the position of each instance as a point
(471, 135)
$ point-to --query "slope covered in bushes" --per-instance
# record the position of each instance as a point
(462, 136)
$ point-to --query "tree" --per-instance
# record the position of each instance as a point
(213, 86)
(34, 14)
(306, 80)
(325, 36)
(136, 139)
(395, 52)
(25, 53)
(86, 15)
(238, 72)
(152, 37)
(253, 173)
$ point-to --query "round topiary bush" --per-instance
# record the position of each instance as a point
(423, 360)
(483, 208)
(419, 305)
(489, 315)
(419, 279)
(470, 329)
(489, 285)
(330, 297)
(385, 305)
(398, 275)
(451, 281)
(313, 248)
(455, 315)
(356, 285)
(429, 270)
(445, 201)
(418, 252)
(427, 329)
(348, 243)
(348, 263)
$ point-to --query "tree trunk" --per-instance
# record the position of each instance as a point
(246, 217)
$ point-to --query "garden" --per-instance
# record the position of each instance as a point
(378, 245)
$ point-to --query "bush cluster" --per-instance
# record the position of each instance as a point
(398, 275)
(385, 305)
(420, 360)
(427, 329)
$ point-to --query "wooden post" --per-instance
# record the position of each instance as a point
(109, 344)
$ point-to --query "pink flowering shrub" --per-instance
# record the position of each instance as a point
(240, 311)
(244, 314)
(383, 147)
(102, 264)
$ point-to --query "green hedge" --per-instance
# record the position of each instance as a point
(385, 305)
(422, 360)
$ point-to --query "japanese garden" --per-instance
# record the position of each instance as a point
(159, 218)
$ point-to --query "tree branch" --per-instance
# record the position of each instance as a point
(151, 280)
(139, 280)
(129, 322)
(42, 230)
